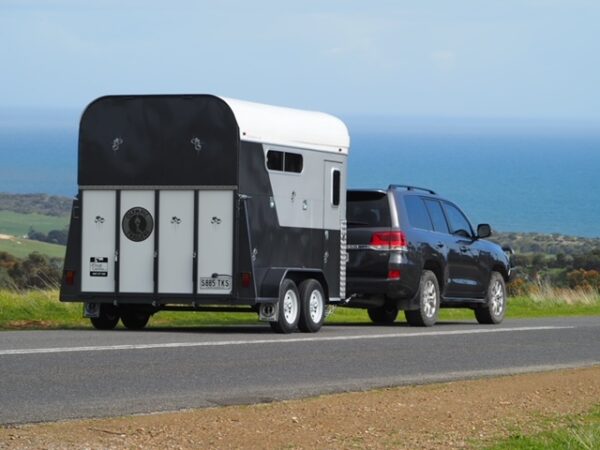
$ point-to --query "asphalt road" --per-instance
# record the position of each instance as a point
(52, 375)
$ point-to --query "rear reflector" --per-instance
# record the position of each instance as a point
(246, 279)
(393, 274)
(388, 240)
(70, 277)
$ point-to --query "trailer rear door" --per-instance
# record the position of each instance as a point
(149, 237)
(215, 242)
(98, 246)
(176, 242)
(136, 255)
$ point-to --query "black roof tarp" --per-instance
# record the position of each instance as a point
(158, 140)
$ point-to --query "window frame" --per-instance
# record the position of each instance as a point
(335, 170)
(439, 202)
(284, 153)
(408, 214)
(446, 203)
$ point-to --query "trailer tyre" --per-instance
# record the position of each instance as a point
(135, 320)
(312, 306)
(289, 308)
(108, 318)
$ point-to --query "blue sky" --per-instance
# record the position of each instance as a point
(489, 59)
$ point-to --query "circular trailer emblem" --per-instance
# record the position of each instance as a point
(137, 224)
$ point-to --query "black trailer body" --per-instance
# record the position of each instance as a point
(200, 202)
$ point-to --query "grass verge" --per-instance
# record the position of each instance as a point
(42, 310)
(581, 432)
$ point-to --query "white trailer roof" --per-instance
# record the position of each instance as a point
(289, 127)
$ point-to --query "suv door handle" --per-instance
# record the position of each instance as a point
(463, 248)
(440, 245)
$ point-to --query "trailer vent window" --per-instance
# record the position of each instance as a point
(274, 160)
(284, 162)
(293, 162)
(335, 190)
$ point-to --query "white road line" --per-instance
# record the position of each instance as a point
(33, 351)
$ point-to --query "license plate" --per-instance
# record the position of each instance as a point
(215, 283)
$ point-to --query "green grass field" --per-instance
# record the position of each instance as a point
(580, 432)
(21, 248)
(17, 224)
(41, 309)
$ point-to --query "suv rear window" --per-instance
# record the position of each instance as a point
(368, 209)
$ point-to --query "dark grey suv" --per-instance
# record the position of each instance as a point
(411, 250)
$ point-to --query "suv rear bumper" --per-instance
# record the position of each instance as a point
(379, 286)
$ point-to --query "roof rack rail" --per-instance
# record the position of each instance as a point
(411, 188)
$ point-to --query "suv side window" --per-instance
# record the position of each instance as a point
(437, 216)
(417, 213)
(459, 224)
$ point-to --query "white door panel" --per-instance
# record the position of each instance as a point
(176, 242)
(215, 242)
(98, 241)
(136, 259)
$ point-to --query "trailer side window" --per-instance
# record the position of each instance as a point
(274, 160)
(335, 190)
(293, 162)
(285, 162)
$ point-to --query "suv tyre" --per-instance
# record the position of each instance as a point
(495, 308)
(429, 302)
(383, 315)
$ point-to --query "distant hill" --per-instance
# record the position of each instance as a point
(37, 205)
(550, 244)
(49, 205)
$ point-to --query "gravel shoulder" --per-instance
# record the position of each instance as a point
(458, 414)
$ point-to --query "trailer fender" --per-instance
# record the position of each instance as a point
(269, 288)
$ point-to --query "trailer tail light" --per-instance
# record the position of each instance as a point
(388, 240)
(70, 277)
(246, 279)
(393, 274)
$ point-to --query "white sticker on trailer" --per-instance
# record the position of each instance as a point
(98, 267)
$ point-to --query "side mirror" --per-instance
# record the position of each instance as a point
(508, 250)
(483, 230)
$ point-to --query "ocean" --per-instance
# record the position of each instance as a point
(532, 179)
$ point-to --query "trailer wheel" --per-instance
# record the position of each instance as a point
(108, 318)
(289, 308)
(135, 320)
(312, 306)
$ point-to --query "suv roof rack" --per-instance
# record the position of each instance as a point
(411, 188)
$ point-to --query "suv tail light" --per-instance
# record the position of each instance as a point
(388, 240)
(394, 274)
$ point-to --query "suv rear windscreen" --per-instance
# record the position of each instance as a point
(368, 209)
